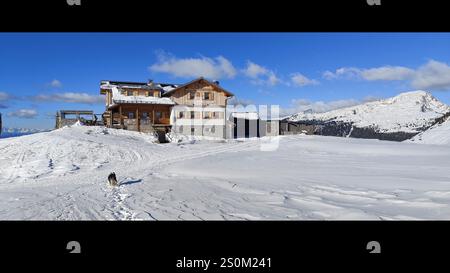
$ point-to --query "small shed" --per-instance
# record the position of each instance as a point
(291, 127)
(250, 124)
(70, 117)
(246, 124)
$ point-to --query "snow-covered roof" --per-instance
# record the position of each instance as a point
(214, 83)
(168, 88)
(163, 87)
(117, 97)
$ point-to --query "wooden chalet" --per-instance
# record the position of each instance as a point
(136, 106)
(198, 108)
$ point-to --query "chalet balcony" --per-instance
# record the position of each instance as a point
(133, 122)
(143, 118)
(145, 125)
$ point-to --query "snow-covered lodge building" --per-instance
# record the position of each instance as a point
(195, 108)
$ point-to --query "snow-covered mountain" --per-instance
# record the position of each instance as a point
(438, 134)
(13, 132)
(409, 113)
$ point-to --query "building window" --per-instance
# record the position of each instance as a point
(269, 127)
(180, 129)
(158, 115)
(180, 114)
(206, 96)
(215, 114)
(192, 95)
(145, 115)
(206, 115)
(192, 114)
(213, 129)
(130, 115)
(192, 130)
(149, 94)
(129, 93)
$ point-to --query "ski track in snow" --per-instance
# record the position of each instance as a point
(61, 175)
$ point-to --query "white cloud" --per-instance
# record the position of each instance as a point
(216, 68)
(301, 80)
(383, 73)
(23, 113)
(226, 67)
(302, 105)
(237, 101)
(387, 73)
(55, 83)
(254, 71)
(273, 79)
(370, 98)
(328, 75)
(260, 75)
(343, 72)
(4, 96)
(71, 97)
(433, 75)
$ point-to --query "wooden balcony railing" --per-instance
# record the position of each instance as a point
(165, 121)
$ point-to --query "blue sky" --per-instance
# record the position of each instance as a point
(43, 72)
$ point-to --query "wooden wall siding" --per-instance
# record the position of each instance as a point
(182, 96)
(141, 92)
(199, 115)
(108, 97)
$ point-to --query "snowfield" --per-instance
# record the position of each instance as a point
(61, 175)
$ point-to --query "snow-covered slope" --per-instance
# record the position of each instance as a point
(438, 134)
(61, 175)
(410, 112)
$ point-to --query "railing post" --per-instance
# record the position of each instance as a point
(120, 116)
(137, 119)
